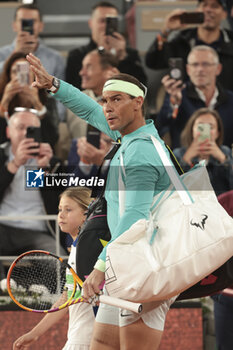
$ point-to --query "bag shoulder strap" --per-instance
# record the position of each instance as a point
(108, 156)
(170, 169)
(172, 173)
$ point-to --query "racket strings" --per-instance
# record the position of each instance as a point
(39, 281)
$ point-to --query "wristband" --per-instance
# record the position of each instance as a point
(100, 265)
(175, 108)
(161, 39)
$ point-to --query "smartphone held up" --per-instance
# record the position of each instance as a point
(111, 25)
(176, 68)
(204, 132)
(22, 68)
(27, 25)
(93, 136)
(192, 17)
(35, 134)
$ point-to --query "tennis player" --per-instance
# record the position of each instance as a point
(73, 203)
(120, 116)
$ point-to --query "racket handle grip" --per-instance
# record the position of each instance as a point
(121, 303)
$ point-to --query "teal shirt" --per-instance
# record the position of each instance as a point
(145, 174)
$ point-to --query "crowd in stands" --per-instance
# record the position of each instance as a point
(204, 96)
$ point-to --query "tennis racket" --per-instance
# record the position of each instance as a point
(42, 282)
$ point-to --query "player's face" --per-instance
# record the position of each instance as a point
(119, 109)
(70, 216)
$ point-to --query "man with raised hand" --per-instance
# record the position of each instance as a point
(122, 116)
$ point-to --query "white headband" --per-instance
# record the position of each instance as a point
(123, 86)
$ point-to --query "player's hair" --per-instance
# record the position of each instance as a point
(133, 80)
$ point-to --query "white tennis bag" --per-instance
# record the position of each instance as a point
(188, 236)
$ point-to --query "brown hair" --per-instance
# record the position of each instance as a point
(187, 133)
(107, 59)
(104, 4)
(28, 7)
(81, 195)
(5, 77)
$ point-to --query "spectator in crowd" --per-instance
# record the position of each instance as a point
(97, 67)
(180, 43)
(129, 60)
(14, 93)
(196, 147)
(19, 236)
(86, 157)
(202, 91)
(26, 42)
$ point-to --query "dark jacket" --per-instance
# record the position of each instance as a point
(221, 175)
(50, 197)
(180, 46)
(49, 124)
(130, 65)
(190, 103)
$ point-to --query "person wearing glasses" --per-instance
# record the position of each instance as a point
(19, 154)
(203, 90)
(177, 39)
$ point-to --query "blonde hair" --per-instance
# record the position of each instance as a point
(81, 195)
